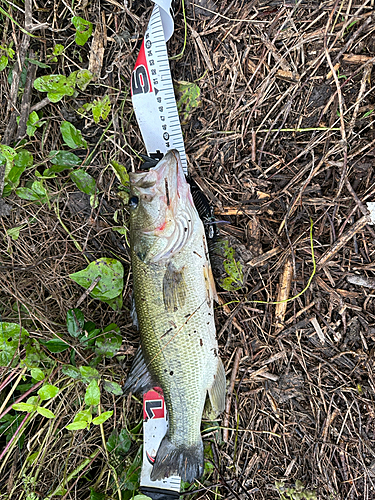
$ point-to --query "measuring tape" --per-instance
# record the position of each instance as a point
(157, 115)
(152, 90)
(155, 425)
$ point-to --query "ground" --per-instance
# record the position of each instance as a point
(282, 143)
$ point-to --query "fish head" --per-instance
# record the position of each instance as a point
(160, 199)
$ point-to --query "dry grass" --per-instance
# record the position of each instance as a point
(285, 133)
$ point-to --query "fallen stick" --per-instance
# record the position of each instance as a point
(356, 227)
(236, 365)
(283, 295)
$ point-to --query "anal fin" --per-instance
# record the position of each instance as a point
(139, 379)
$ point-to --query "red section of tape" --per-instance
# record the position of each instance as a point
(140, 80)
(153, 404)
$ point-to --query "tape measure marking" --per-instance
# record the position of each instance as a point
(153, 94)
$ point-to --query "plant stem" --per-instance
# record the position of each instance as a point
(11, 392)
(14, 439)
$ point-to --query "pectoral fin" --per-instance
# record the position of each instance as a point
(215, 403)
(174, 288)
(139, 378)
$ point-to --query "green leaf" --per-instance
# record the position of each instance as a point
(102, 418)
(101, 108)
(3, 62)
(89, 326)
(81, 421)
(95, 495)
(56, 86)
(48, 391)
(84, 30)
(23, 407)
(72, 136)
(92, 396)
(94, 200)
(8, 425)
(142, 497)
(112, 388)
(88, 374)
(38, 63)
(36, 192)
(33, 123)
(34, 355)
(44, 412)
(24, 387)
(115, 304)
(58, 49)
(7, 155)
(14, 232)
(23, 159)
(49, 173)
(84, 181)
(64, 158)
(71, 371)
(56, 345)
(59, 492)
(37, 374)
(74, 322)
(120, 229)
(188, 99)
(119, 442)
(90, 333)
(368, 113)
(75, 426)
(10, 52)
(31, 458)
(121, 173)
(108, 344)
(33, 400)
(111, 283)
(84, 77)
(11, 337)
(83, 416)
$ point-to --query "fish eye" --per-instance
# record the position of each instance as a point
(133, 202)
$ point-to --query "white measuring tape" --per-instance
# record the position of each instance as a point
(152, 88)
(155, 425)
(156, 111)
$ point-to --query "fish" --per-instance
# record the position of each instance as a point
(174, 294)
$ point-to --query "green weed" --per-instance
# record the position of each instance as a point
(299, 492)
(233, 268)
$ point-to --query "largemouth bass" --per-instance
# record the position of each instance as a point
(174, 293)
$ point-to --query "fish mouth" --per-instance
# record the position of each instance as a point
(167, 177)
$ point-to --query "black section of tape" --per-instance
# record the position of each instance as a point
(160, 494)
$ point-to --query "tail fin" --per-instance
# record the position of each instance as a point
(183, 461)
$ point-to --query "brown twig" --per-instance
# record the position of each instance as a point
(26, 98)
(342, 123)
(16, 75)
(236, 365)
(356, 227)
